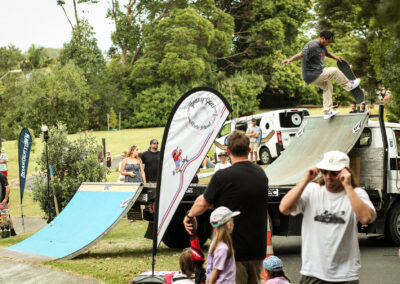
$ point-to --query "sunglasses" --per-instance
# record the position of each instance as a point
(154, 143)
(333, 173)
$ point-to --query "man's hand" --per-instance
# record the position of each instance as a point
(311, 173)
(188, 223)
(345, 177)
(338, 58)
(286, 61)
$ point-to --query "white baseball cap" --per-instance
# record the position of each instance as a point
(221, 215)
(334, 161)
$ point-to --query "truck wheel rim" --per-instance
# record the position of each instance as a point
(265, 156)
(398, 224)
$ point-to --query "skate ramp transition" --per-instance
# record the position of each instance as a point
(315, 137)
(94, 210)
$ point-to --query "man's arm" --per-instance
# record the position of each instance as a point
(293, 58)
(331, 55)
(289, 201)
(363, 212)
(4, 201)
(199, 207)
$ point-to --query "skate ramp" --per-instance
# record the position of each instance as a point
(93, 211)
(315, 137)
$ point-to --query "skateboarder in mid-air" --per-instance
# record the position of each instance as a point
(314, 72)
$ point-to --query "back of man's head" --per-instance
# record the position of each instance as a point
(238, 144)
(327, 35)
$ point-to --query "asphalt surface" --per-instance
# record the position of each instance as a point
(380, 262)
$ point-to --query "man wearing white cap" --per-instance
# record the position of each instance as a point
(331, 208)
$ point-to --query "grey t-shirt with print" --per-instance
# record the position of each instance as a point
(312, 61)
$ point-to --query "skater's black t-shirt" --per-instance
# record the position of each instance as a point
(150, 161)
(3, 184)
(243, 187)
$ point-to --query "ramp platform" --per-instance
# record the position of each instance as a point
(94, 210)
(315, 137)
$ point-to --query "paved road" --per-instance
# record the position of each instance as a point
(380, 261)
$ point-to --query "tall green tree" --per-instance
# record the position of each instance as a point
(48, 97)
(10, 59)
(72, 161)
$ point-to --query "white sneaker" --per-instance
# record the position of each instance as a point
(353, 84)
(330, 114)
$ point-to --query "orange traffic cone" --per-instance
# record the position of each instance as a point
(270, 249)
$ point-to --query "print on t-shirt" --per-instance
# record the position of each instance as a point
(329, 218)
(178, 160)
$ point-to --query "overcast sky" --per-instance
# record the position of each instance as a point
(43, 23)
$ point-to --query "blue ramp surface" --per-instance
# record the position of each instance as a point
(93, 211)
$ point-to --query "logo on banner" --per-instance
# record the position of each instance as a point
(202, 113)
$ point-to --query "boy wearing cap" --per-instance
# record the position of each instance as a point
(331, 208)
(253, 131)
(314, 72)
(150, 159)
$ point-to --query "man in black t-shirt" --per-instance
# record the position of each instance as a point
(4, 198)
(150, 159)
(241, 187)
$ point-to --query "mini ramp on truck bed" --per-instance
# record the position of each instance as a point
(95, 209)
(315, 137)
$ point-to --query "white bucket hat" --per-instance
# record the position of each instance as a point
(334, 161)
(221, 215)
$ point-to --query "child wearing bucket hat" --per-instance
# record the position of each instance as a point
(273, 267)
(221, 267)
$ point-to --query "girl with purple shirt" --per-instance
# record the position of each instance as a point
(221, 267)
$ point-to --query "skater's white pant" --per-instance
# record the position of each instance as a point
(324, 82)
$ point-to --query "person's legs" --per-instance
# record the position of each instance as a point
(248, 272)
(327, 89)
(241, 273)
(324, 82)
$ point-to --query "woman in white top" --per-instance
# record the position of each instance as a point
(222, 156)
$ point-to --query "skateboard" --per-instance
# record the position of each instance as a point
(358, 94)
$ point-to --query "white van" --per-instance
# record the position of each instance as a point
(277, 129)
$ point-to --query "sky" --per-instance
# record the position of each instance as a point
(43, 23)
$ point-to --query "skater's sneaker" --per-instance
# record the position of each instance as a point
(330, 114)
(353, 84)
(13, 233)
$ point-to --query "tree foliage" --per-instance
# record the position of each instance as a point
(73, 162)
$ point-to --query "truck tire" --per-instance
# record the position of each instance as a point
(392, 228)
(176, 235)
(265, 156)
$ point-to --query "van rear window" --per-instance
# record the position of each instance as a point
(292, 119)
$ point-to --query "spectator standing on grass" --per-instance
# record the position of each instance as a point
(3, 162)
(223, 164)
(353, 108)
(253, 131)
(241, 187)
(132, 166)
(151, 159)
(331, 207)
(5, 198)
(108, 160)
(121, 178)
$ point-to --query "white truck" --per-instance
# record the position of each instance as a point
(374, 150)
(278, 128)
